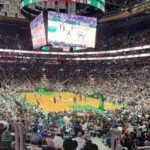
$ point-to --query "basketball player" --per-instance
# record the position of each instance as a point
(25, 97)
(59, 97)
(75, 99)
(41, 97)
(38, 103)
(54, 100)
(85, 98)
(60, 26)
(35, 96)
(63, 28)
(80, 98)
(114, 102)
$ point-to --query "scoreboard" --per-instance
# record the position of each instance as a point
(100, 4)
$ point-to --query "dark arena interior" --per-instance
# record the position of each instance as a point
(74, 74)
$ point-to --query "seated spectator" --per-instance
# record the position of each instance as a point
(74, 145)
(49, 140)
(6, 136)
(49, 148)
(35, 138)
(80, 140)
(90, 147)
(2, 129)
(77, 127)
(58, 141)
(70, 145)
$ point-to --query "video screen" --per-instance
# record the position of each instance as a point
(96, 3)
(71, 30)
(38, 31)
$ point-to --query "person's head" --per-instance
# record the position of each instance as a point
(35, 130)
(1, 125)
(50, 148)
(52, 135)
(91, 147)
(74, 144)
(88, 142)
(69, 144)
(79, 134)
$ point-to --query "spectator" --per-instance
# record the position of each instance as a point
(80, 140)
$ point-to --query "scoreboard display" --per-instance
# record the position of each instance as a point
(63, 30)
(38, 33)
(71, 30)
(100, 4)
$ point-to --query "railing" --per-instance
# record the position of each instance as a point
(19, 141)
(143, 147)
(115, 140)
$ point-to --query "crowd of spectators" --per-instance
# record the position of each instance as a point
(18, 37)
(130, 84)
(74, 130)
(124, 82)
(124, 40)
(13, 36)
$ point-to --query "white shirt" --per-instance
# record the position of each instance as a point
(58, 142)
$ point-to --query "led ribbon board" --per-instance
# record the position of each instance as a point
(100, 4)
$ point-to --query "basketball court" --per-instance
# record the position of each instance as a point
(44, 100)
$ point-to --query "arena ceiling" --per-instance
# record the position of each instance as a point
(11, 8)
